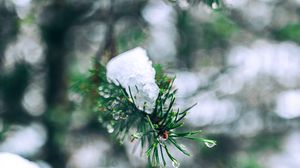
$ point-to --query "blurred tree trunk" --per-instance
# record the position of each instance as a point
(57, 19)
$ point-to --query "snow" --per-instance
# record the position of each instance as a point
(289, 155)
(210, 110)
(278, 60)
(133, 69)
(288, 104)
(27, 140)
(161, 18)
(8, 160)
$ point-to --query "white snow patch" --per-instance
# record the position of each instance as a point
(24, 140)
(278, 60)
(288, 104)
(211, 110)
(289, 156)
(9, 160)
(134, 72)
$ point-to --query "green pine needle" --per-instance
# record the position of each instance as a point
(117, 111)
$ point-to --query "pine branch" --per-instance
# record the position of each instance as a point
(117, 111)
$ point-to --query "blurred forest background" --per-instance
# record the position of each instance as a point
(238, 59)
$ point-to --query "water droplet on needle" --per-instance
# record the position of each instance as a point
(116, 116)
(110, 129)
(210, 144)
(175, 164)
